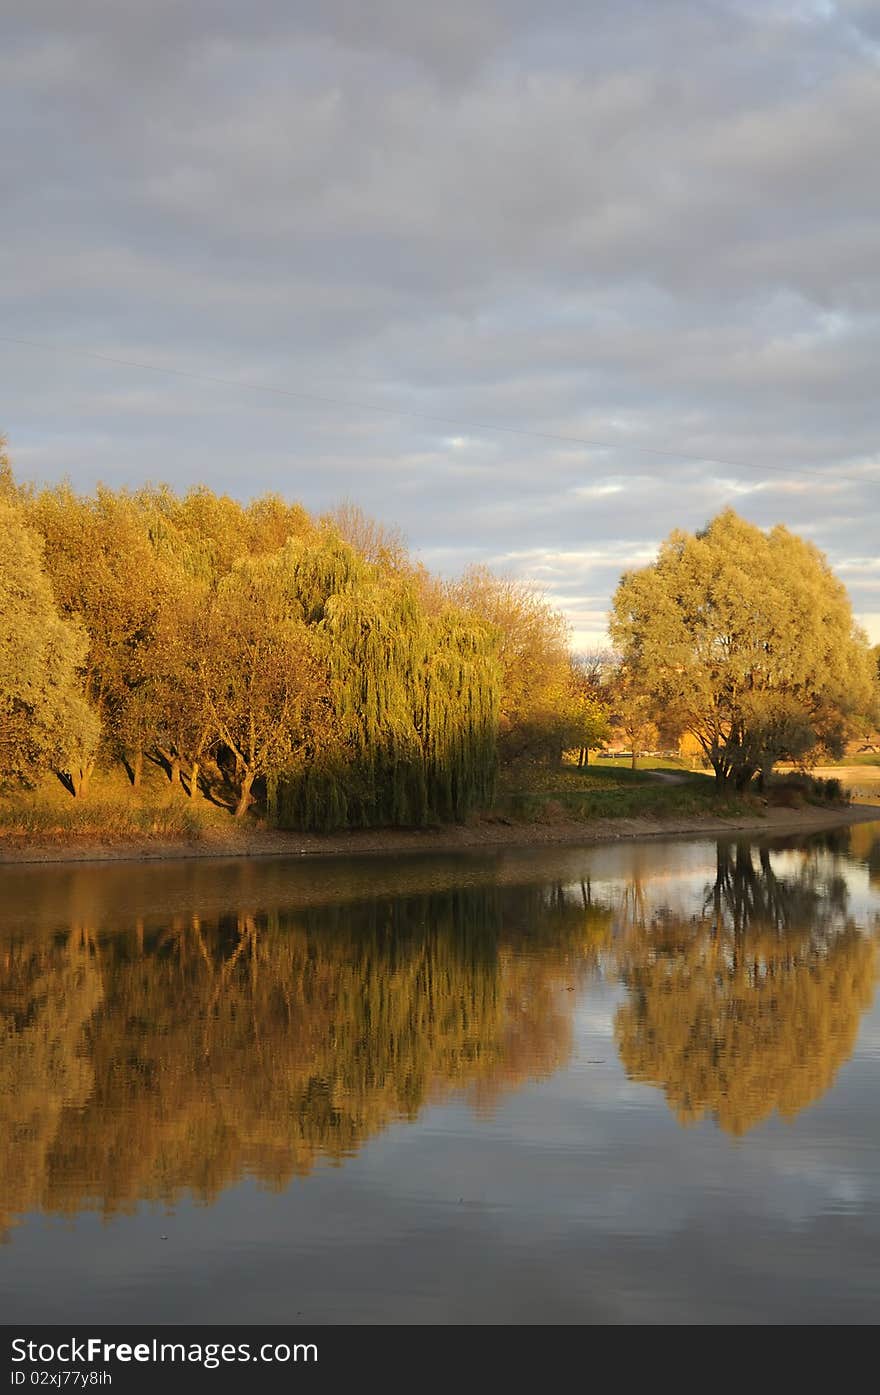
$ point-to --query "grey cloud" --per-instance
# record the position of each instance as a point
(649, 226)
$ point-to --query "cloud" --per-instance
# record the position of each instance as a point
(650, 229)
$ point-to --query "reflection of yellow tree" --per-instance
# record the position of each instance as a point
(46, 1000)
(751, 1008)
(256, 1044)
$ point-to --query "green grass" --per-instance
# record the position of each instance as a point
(566, 778)
(618, 802)
(611, 791)
(614, 790)
(642, 763)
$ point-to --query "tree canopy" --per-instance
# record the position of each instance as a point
(253, 652)
(309, 667)
(45, 722)
(747, 638)
(537, 700)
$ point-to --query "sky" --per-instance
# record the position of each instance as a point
(536, 283)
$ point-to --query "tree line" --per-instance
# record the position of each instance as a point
(308, 665)
(259, 654)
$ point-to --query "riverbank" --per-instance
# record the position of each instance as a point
(485, 833)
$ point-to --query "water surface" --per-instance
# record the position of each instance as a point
(613, 1084)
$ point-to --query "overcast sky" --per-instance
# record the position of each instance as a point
(642, 224)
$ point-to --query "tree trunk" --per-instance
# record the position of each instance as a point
(245, 796)
(193, 780)
(166, 760)
(633, 761)
(137, 768)
(80, 778)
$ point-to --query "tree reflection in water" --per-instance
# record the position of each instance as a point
(752, 1006)
(136, 1065)
(180, 1056)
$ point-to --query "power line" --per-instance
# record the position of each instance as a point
(352, 404)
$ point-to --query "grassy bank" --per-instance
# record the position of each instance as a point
(657, 789)
(114, 815)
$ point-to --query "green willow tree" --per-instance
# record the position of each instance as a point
(413, 696)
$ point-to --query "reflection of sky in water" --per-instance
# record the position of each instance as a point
(575, 1198)
(676, 876)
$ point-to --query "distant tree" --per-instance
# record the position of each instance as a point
(590, 713)
(533, 652)
(9, 489)
(747, 639)
(867, 723)
(633, 715)
(374, 541)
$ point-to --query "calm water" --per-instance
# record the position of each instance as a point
(631, 1083)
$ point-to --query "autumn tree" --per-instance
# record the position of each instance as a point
(866, 723)
(184, 730)
(374, 541)
(103, 570)
(589, 706)
(632, 713)
(260, 676)
(45, 722)
(747, 639)
(311, 663)
(208, 533)
(535, 712)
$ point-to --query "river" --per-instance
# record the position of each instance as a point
(625, 1083)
